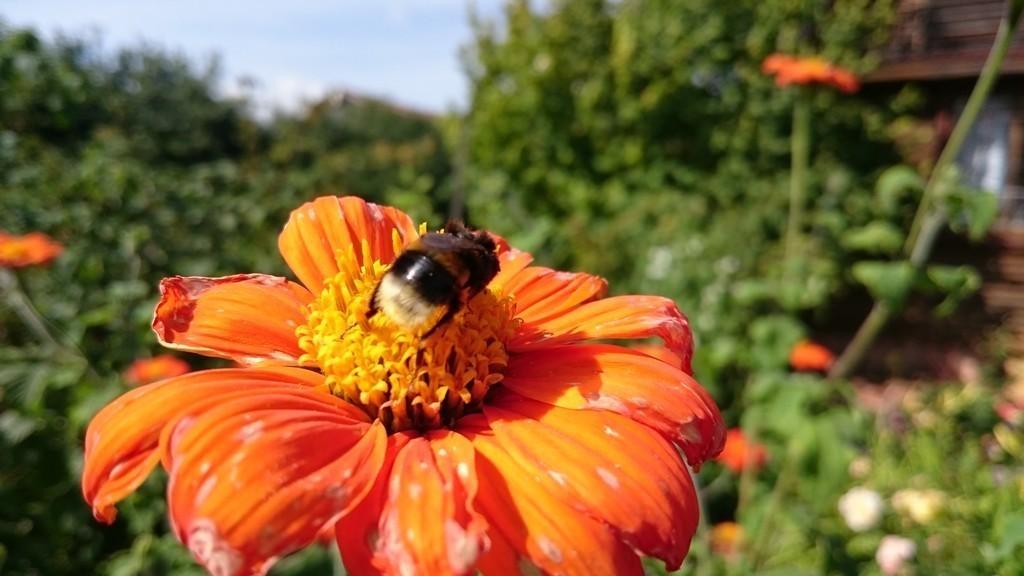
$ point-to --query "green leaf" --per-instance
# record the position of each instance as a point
(981, 209)
(878, 237)
(1011, 535)
(889, 282)
(896, 181)
(956, 282)
(14, 427)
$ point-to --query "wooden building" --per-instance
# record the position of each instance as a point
(941, 46)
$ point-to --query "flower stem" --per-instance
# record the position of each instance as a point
(25, 310)
(972, 108)
(800, 150)
(22, 305)
(337, 565)
(930, 218)
(763, 537)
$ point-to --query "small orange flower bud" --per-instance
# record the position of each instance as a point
(146, 370)
(741, 454)
(789, 70)
(33, 249)
(809, 356)
(727, 539)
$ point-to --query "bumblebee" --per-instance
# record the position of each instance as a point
(440, 270)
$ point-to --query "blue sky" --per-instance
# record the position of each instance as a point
(404, 50)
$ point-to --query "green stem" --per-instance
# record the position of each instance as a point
(337, 566)
(22, 305)
(929, 220)
(25, 310)
(800, 152)
(763, 536)
(975, 102)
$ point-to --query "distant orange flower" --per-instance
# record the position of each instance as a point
(727, 539)
(32, 249)
(146, 370)
(740, 453)
(807, 356)
(506, 439)
(789, 70)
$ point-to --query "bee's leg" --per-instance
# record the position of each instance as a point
(453, 308)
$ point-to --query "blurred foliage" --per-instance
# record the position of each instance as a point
(937, 438)
(639, 140)
(142, 170)
(635, 139)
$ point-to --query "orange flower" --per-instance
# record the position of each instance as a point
(740, 454)
(146, 370)
(727, 539)
(789, 70)
(32, 249)
(506, 439)
(807, 356)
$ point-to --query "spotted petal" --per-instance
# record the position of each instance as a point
(357, 531)
(618, 471)
(258, 477)
(428, 524)
(542, 293)
(122, 443)
(633, 317)
(534, 529)
(249, 318)
(317, 231)
(631, 383)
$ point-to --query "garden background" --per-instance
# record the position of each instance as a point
(636, 139)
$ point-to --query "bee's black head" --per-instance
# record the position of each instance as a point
(484, 265)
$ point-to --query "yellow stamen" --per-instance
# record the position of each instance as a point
(396, 376)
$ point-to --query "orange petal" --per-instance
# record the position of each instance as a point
(546, 533)
(258, 477)
(542, 293)
(661, 353)
(428, 524)
(122, 441)
(249, 318)
(618, 471)
(318, 230)
(625, 381)
(613, 318)
(510, 263)
(357, 532)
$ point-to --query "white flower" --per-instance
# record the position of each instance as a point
(921, 506)
(861, 508)
(893, 553)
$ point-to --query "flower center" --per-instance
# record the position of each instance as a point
(392, 374)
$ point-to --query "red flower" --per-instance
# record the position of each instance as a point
(789, 70)
(507, 439)
(807, 356)
(33, 249)
(741, 454)
(146, 370)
